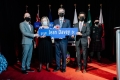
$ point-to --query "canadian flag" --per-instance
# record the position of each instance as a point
(101, 22)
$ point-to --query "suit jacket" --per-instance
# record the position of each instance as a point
(66, 24)
(85, 33)
(27, 34)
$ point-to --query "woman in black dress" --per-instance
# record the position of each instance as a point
(45, 46)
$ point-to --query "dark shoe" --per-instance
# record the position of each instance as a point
(63, 70)
(30, 70)
(90, 61)
(47, 69)
(57, 69)
(99, 61)
(39, 70)
(84, 71)
(24, 72)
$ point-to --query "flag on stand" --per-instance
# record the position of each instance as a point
(50, 15)
(75, 17)
(50, 18)
(89, 18)
(90, 24)
(101, 22)
(37, 24)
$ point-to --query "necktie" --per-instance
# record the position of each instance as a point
(60, 23)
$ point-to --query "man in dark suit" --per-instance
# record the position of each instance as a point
(82, 41)
(61, 43)
(27, 43)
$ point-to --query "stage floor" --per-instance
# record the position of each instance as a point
(95, 71)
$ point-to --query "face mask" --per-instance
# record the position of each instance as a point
(45, 23)
(96, 23)
(81, 19)
(27, 18)
(61, 14)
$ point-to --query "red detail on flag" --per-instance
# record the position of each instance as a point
(103, 34)
(103, 38)
(37, 18)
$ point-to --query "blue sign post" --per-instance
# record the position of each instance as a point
(60, 33)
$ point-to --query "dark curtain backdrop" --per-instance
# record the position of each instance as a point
(12, 11)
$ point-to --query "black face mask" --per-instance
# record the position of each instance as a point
(81, 19)
(27, 19)
(61, 14)
(96, 23)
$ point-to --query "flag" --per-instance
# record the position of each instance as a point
(101, 22)
(50, 15)
(50, 18)
(37, 24)
(37, 18)
(75, 17)
(89, 18)
(90, 24)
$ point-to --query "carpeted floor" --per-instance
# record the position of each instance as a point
(95, 71)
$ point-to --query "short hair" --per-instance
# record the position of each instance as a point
(26, 14)
(82, 13)
(46, 18)
(61, 8)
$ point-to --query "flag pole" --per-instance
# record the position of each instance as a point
(38, 10)
(89, 39)
(88, 6)
(75, 6)
(61, 5)
(100, 5)
(26, 8)
(50, 7)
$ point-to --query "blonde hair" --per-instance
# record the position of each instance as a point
(46, 18)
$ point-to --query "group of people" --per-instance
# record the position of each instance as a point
(45, 43)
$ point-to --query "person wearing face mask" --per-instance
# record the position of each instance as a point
(61, 44)
(27, 43)
(82, 41)
(44, 46)
(96, 43)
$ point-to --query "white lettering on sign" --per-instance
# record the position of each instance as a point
(67, 32)
(73, 32)
(52, 32)
(43, 33)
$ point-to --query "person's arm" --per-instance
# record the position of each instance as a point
(22, 29)
(69, 24)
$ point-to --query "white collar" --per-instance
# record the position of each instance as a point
(61, 18)
(81, 21)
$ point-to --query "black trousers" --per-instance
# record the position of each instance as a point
(78, 54)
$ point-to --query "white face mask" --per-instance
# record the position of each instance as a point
(45, 23)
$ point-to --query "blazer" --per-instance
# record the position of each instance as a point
(85, 33)
(27, 34)
(66, 24)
